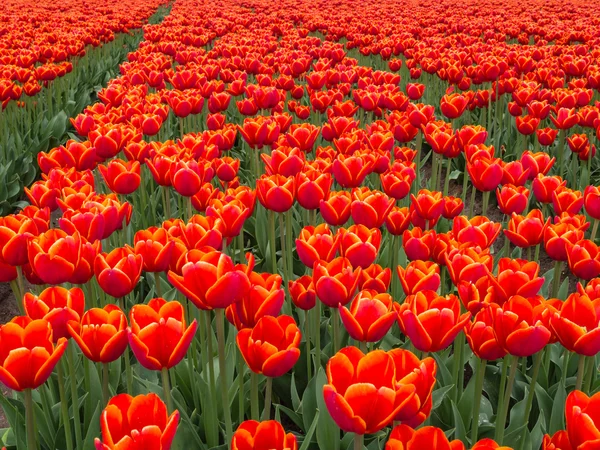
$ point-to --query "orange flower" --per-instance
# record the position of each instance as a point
(136, 422)
(158, 335)
(581, 414)
(481, 337)
(370, 208)
(271, 347)
(419, 276)
(303, 292)
(54, 256)
(27, 353)
(360, 245)
(317, 243)
(404, 437)
(155, 247)
(268, 435)
(576, 324)
(370, 316)
(477, 231)
(356, 383)
(119, 271)
(375, 278)
(335, 282)
(276, 192)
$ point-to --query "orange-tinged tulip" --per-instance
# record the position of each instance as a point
(453, 206)
(137, 423)
(584, 259)
(335, 282)
(370, 316)
(233, 215)
(58, 306)
(212, 281)
(559, 441)
(101, 334)
(121, 177)
(468, 264)
(418, 244)
(119, 271)
(582, 418)
(271, 346)
(481, 337)
(303, 292)
(351, 171)
(404, 437)
(545, 186)
(398, 220)
(419, 276)
(158, 335)
(360, 245)
(526, 231)
(591, 201)
(356, 382)
(557, 237)
(512, 199)
(28, 354)
(516, 277)
(486, 174)
(336, 209)
(478, 231)
(276, 192)
(15, 232)
(155, 247)
(431, 321)
(370, 208)
(567, 200)
(270, 435)
(312, 187)
(576, 324)
(375, 278)
(519, 327)
(428, 205)
(489, 444)
(54, 256)
(317, 243)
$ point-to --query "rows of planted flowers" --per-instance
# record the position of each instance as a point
(303, 224)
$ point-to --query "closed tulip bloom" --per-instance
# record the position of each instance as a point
(158, 335)
(489, 444)
(284, 160)
(567, 200)
(591, 201)
(276, 192)
(271, 347)
(312, 188)
(537, 163)
(119, 271)
(468, 264)
(137, 423)
(419, 276)
(556, 238)
(360, 245)
(351, 171)
(453, 206)
(546, 136)
(336, 281)
(526, 231)
(565, 118)
(302, 292)
(581, 414)
(512, 199)
(584, 259)
(155, 247)
(480, 334)
(317, 243)
(336, 209)
(212, 281)
(121, 177)
(418, 244)
(28, 354)
(102, 333)
(200, 232)
(544, 187)
(431, 321)
(453, 105)
(477, 231)
(58, 306)
(486, 174)
(356, 382)
(369, 317)
(558, 441)
(577, 324)
(265, 298)
(429, 205)
(579, 221)
(397, 181)
(519, 326)
(187, 177)
(15, 233)
(54, 256)
(226, 168)
(303, 136)
(404, 437)
(232, 214)
(516, 277)
(90, 225)
(270, 435)
(421, 374)
(375, 278)
(370, 208)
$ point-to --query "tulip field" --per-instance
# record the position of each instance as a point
(300, 224)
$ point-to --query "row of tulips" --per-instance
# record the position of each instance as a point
(484, 346)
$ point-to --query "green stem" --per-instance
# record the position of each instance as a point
(589, 375)
(501, 420)
(472, 204)
(594, 230)
(272, 242)
(447, 177)
(537, 362)
(486, 200)
(479, 377)
(64, 405)
(241, 389)
(268, 394)
(254, 396)
(458, 366)
(219, 317)
(335, 329)
(167, 201)
(157, 284)
(214, 430)
(417, 183)
(283, 250)
(556, 275)
(465, 183)
(359, 441)
(166, 385)
(190, 210)
(434, 171)
(317, 324)
(393, 266)
(289, 246)
(30, 419)
(307, 339)
(561, 151)
(580, 372)
(105, 379)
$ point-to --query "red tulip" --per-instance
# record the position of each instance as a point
(419, 276)
(581, 414)
(481, 337)
(302, 292)
(404, 437)
(54, 256)
(317, 243)
(512, 199)
(257, 435)
(155, 247)
(526, 231)
(336, 281)
(336, 209)
(119, 271)
(360, 245)
(276, 192)
(576, 324)
(121, 177)
(584, 259)
(370, 316)
(375, 278)
(516, 277)
(418, 244)
(370, 208)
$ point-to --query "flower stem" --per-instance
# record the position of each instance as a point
(358, 441)
(561, 151)
(447, 178)
(272, 242)
(580, 372)
(556, 275)
(594, 230)
(307, 337)
(64, 405)
(501, 419)
(157, 285)
(105, 379)
(219, 316)
(317, 322)
(458, 365)
(284, 249)
(537, 362)
(30, 418)
(241, 389)
(479, 377)
(589, 375)
(268, 394)
(167, 389)
(74, 396)
(335, 329)
(254, 396)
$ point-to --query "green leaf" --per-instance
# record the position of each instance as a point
(557, 418)
(439, 394)
(294, 393)
(563, 292)
(309, 403)
(93, 430)
(459, 426)
(328, 433)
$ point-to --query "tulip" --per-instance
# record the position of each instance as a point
(360, 245)
(478, 231)
(336, 209)
(155, 247)
(351, 171)
(481, 337)
(581, 414)
(453, 206)
(317, 243)
(212, 281)
(516, 277)
(268, 434)
(356, 382)
(419, 276)
(90, 225)
(28, 354)
(312, 188)
(135, 423)
(54, 256)
(375, 278)
(537, 163)
(404, 437)
(418, 244)
(336, 281)
(302, 292)
(546, 136)
(486, 173)
(489, 444)
(567, 200)
(232, 215)
(591, 199)
(158, 335)
(584, 259)
(544, 187)
(121, 177)
(559, 441)
(526, 231)
(431, 321)
(428, 205)
(557, 237)
(370, 316)
(397, 221)
(512, 199)
(397, 181)
(119, 271)
(286, 161)
(15, 233)
(468, 264)
(101, 334)
(370, 208)
(576, 324)
(453, 105)
(276, 192)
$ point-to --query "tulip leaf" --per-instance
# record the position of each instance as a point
(294, 417)
(328, 433)
(310, 432)
(563, 292)
(294, 394)
(455, 174)
(93, 430)
(460, 432)
(309, 403)
(439, 394)
(557, 418)
(467, 401)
